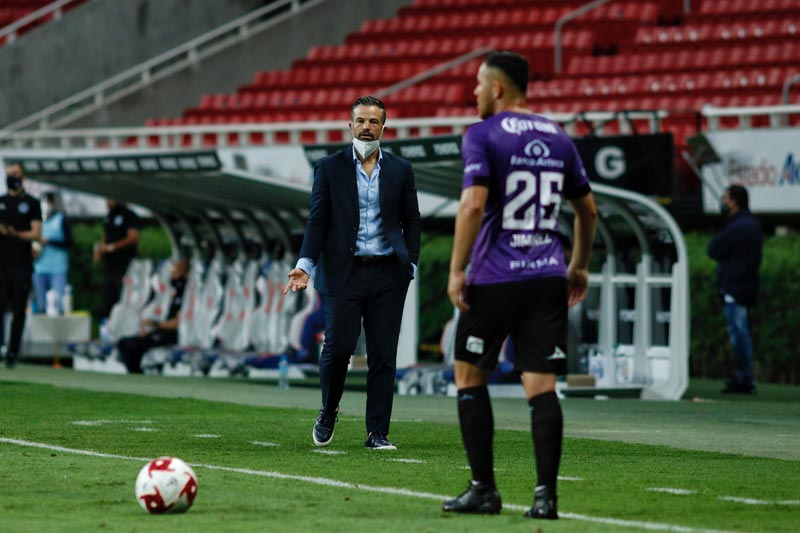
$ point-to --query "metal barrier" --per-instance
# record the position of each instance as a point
(55, 8)
(777, 114)
(203, 136)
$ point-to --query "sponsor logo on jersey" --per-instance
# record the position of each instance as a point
(533, 264)
(536, 162)
(473, 167)
(527, 240)
(537, 148)
(474, 345)
(557, 354)
(118, 220)
(23, 207)
(518, 126)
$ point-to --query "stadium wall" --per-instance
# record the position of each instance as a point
(96, 41)
(276, 48)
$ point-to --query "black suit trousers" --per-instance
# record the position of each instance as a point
(373, 295)
(15, 286)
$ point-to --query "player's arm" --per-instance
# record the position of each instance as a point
(33, 234)
(468, 223)
(316, 230)
(584, 228)
(170, 324)
(130, 239)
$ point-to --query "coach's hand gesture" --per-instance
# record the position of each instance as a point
(298, 279)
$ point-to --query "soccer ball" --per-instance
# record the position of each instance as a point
(166, 485)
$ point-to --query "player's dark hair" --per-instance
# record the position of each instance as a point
(368, 101)
(513, 65)
(16, 164)
(738, 194)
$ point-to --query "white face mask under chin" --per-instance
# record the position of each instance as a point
(366, 148)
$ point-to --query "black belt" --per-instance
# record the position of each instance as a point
(372, 259)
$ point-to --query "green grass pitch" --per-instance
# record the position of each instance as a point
(71, 445)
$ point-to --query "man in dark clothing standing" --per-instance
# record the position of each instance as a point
(116, 249)
(737, 250)
(20, 225)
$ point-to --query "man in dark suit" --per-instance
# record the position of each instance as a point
(363, 238)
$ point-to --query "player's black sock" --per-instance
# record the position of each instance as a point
(477, 431)
(547, 427)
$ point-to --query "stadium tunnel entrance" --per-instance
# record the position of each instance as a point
(631, 335)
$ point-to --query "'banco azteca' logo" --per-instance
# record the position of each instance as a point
(537, 148)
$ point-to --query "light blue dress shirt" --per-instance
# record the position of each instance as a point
(371, 239)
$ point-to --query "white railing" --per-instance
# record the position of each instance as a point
(787, 85)
(200, 136)
(55, 8)
(163, 65)
(560, 26)
(777, 114)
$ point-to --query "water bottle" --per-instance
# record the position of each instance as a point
(105, 334)
(283, 372)
(52, 302)
(66, 301)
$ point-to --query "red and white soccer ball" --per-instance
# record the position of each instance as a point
(166, 485)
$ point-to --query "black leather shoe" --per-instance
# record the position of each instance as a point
(482, 499)
(378, 441)
(544, 504)
(735, 387)
(323, 428)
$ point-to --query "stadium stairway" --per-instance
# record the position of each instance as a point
(73, 53)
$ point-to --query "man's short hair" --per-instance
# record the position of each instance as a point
(16, 164)
(738, 194)
(368, 101)
(513, 65)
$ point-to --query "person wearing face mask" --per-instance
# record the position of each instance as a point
(116, 250)
(737, 251)
(20, 225)
(362, 239)
(52, 262)
(163, 333)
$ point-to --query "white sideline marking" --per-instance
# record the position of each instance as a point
(617, 431)
(495, 469)
(569, 478)
(106, 421)
(144, 430)
(262, 443)
(329, 452)
(206, 436)
(416, 461)
(753, 501)
(789, 434)
(654, 526)
(669, 490)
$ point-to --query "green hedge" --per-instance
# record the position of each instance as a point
(774, 318)
(86, 277)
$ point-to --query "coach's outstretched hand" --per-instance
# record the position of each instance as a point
(298, 279)
(578, 283)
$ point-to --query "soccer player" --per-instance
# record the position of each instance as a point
(518, 167)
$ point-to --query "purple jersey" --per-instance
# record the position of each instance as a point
(530, 166)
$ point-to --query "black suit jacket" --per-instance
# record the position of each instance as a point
(330, 236)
